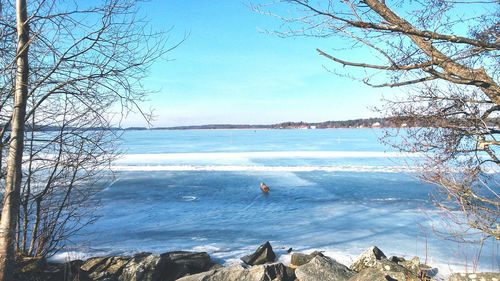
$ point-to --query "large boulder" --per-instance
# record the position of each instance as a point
(368, 259)
(384, 270)
(143, 267)
(267, 272)
(485, 276)
(165, 267)
(415, 266)
(104, 268)
(418, 268)
(372, 274)
(323, 268)
(180, 263)
(92, 263)
(263, 254)
(299, 259)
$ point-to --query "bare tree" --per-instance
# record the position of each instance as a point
(445, 55)
(10, 208)
(86, 66)
(64, 163)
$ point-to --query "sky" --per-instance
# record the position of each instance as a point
(229, 70)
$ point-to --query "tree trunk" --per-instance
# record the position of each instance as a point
(10, 209)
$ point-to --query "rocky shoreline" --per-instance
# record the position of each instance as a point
(372, 265)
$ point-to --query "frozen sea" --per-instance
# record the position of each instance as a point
(335, 190)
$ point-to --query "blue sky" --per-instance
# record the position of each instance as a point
(230, 71)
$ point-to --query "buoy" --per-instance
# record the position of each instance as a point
(264, 187)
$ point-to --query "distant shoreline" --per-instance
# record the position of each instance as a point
(374, 123)
(240, 129)
(345, 124)
(355, 123)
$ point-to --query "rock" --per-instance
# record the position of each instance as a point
(90, 264)
(290, 273)
(412, 265)
(267, 272)
(485, 276)
(115, 265)
(323, 268)
(146, 267)
(299, 259)
(274, 272)
(368, 259)
(396, 259)
(373, 274)
(104, 268)
(180, 263)
(215, 266)
(384, 270)
(387, 265)
(263, 254)
(165, 267)
(143, 267)
(415, 266)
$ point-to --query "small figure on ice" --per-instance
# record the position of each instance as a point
(264, 187)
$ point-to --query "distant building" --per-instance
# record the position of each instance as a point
(404, 125)
(376, 125)
(312, 127)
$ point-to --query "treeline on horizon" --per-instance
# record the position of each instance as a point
(368, 122)
(390, 122)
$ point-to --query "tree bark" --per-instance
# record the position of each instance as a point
(10, 209)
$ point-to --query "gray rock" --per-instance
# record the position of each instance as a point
(263, 254)
(178, 264)
(165, 267)
(372, 274)
(387, 265)
(384, 270)
(92, 263)
(368, 259)
(299, 259)
(146, 267)
(324, 269)
(143, 267)
(274, 272)
(104, 268)
(267, 272)
(396, 259)
(415, 266)
(484, 276)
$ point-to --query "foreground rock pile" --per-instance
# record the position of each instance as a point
(141, 267)
(372, 265)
